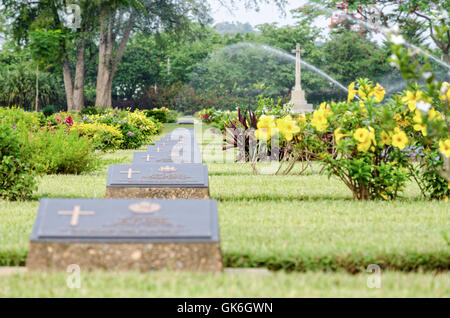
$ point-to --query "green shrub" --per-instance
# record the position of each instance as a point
(48, 110)
(103, 136)
(427, 175)
(63, 151)
(159, 115)
(145, 125)
(22, 120)
(172, 116)
(89, 110)
(17, 176)
(132, 137)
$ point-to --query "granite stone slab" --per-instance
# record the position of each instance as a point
(126, 234)
(164, 157)
(152, 175)
(185, 122)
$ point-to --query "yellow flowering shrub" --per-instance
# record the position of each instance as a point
(367, 144)
(145, 125)
(105, 137)
(378, 147)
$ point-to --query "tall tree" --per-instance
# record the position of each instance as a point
(431, 17)
(48, 15)
(118, 20)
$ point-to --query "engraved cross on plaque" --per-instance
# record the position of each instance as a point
(297, 52)
(130, 172)
(147, 158)
(75, 214)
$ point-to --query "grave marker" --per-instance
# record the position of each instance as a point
(126, 234)
(157, 180)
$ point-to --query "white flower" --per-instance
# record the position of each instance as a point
(444, 88)
(397, 39)
(394, 29)
(393, 61)
(425, 107)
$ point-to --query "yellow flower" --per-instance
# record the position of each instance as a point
(351, 92)
(265, 133)
(338, 135)
(266, 122)
(319, 120)
(444, 147)
(266, 127)
(385, 138)
(417, 117)
(325, 108)
(399, 139)
(364, 146)
(411, 98)
(379, 93)
(362, 135)
(287, 127)
(301, 118)
(362, 91)
(432, 114)
(422, 128)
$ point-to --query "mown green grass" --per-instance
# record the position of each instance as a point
(278, 284)
(291, 222)
(296, 223)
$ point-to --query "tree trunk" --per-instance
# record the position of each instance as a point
(36, 103)
(68, 85)
(107, 66)
(104, 58)
(447, 58)
(78, 91)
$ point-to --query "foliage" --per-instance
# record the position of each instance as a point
(372, 145)
(412, 17)
(17, 175)
(17, 87)
(62, 151)
(216, 118)
(89, 110)
(268, 106)
(429, 106)
(238, 133)
(146, 126)
(159, 115)
(132, 137)
(349, 55)
(48, 110)
(24, 121)
(103, 136)
(119, 129)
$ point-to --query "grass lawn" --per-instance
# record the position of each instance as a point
(302, 224)
(277, 284)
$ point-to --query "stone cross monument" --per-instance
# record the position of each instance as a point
(300, 105)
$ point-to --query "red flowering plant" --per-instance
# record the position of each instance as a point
(69, 121)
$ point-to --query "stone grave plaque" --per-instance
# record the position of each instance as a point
(125, 234)
(158, 180)
(166, 157)
(185, 121)
(178, 153)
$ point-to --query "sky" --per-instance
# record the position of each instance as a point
(268, 13)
